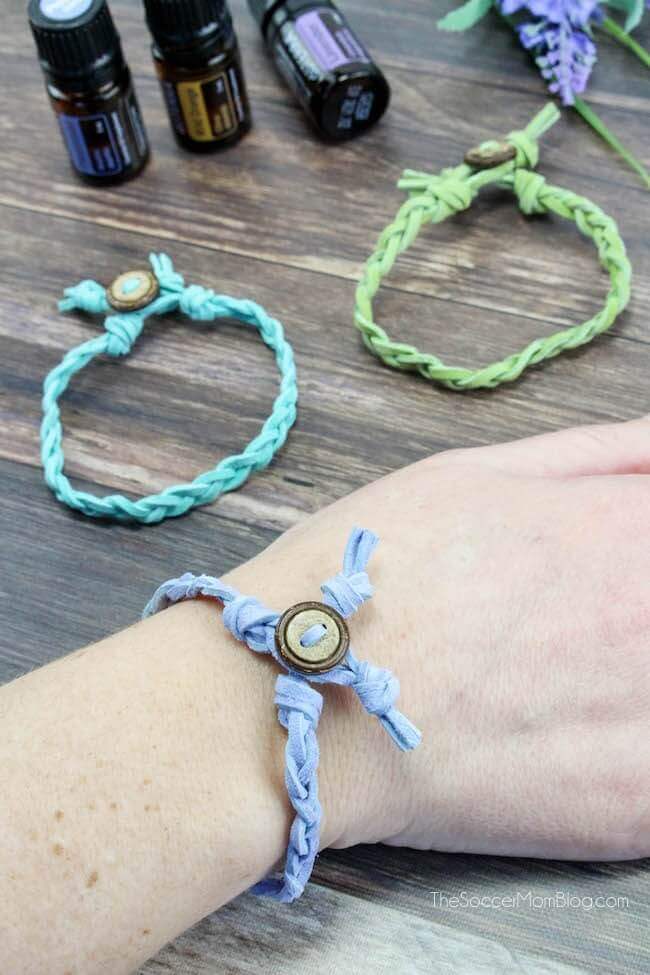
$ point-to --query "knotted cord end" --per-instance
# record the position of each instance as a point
(543, 121)
(378, 690)
(415, 181)
(168, 278)
(525, 140)
(403, 732)
(86, 296)
(348, 590)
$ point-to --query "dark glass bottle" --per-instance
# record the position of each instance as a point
(326, 66)
(197, 61)
(90, 89)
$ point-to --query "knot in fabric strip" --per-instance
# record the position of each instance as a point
(528, 188)
(196, 302)
(122, 330)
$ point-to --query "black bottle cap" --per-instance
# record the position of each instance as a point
(178, 24)
(75, 39)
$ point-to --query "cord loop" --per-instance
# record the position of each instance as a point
(435, 198)
(527, 149)
(120, 333)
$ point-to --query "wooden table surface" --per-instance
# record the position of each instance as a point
(287, 221)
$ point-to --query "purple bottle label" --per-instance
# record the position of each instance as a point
(329, 40)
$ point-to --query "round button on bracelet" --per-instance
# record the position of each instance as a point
(133, 290)
(134, 296)
(312, 638)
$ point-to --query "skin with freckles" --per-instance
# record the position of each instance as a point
(143, 776)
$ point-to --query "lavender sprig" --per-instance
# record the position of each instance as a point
(559, 40)
(564, 55)
(558, 36)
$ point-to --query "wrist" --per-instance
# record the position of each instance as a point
(364, 780)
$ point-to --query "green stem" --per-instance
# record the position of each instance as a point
(615, 30)
(597, 124)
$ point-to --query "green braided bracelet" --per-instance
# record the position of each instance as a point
(136, 295)
(432, 199)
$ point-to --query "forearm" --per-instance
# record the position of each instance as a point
(136, 774)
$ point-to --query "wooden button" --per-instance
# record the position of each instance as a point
(326, 652)
(486, 157)
(133, 290)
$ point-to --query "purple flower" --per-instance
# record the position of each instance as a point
(564, 52)
(566, 65)
(576, 12)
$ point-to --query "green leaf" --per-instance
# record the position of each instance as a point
(466, 16)
(611, 27)
(633, 9)
(597, 124)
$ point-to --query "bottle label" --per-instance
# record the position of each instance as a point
(207, 110)
(294, 78)
(104, 144)
(329, 39)
(355, 107)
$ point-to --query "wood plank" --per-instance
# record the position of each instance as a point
(592, 914)
(339, 933)
(289, 222)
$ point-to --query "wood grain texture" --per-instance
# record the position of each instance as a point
(287, 221)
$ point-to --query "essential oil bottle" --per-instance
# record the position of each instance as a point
(326, 66)
(90, 89)
(197, 61)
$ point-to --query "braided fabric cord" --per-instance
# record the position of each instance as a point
(299, 705)
(121, 331)
(433, 199)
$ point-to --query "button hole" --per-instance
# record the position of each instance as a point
(313, 635)
(131, 285)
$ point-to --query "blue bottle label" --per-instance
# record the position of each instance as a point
(104, 144)
(92, 145)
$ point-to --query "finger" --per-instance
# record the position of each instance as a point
(608, 448)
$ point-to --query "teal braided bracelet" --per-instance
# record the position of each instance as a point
(135, 296)
(432, 199)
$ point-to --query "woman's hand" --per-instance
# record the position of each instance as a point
(513, 603)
